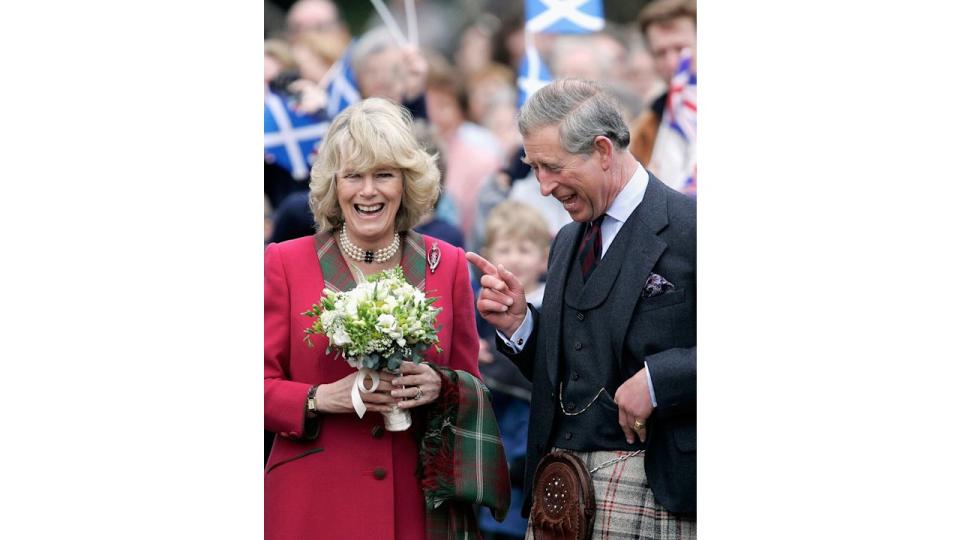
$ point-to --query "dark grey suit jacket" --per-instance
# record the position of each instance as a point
(658, 332)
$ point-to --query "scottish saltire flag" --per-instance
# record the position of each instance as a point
(674, 158)
(533, 74)
(564, 16)
(290, 137)
(343, 89)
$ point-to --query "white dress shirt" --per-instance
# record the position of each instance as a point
(626, 202)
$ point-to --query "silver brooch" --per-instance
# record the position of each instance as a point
(433, 258)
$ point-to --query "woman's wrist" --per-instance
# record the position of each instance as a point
(313, 401)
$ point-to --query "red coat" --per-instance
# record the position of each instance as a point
(334, 486)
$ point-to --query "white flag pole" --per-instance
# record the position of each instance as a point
(412, 31)
(389, 21)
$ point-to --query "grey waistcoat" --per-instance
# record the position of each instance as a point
(588, 364)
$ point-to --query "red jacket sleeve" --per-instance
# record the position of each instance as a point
(283, 400)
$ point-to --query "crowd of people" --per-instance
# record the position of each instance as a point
(446, 107)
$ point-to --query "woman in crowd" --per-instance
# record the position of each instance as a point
(330, 473)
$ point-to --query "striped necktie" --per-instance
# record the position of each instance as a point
(591, 247)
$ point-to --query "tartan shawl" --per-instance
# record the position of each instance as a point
(462, 461)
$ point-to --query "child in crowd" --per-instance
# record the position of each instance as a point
(517, 237)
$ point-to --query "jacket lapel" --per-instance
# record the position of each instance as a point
(414, 259)
(643, 250)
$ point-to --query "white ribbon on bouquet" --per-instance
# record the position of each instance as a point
(359, 387)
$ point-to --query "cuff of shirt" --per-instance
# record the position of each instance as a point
(653, 396)
(522, 334)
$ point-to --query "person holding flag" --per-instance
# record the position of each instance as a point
(670, 27)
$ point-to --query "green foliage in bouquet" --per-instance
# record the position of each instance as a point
(377, 325)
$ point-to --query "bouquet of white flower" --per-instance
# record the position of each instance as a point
(377, 325)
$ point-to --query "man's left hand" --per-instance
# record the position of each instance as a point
(633, 400)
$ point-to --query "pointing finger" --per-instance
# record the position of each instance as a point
(482, 264)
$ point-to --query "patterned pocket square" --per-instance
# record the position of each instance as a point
(655, 286)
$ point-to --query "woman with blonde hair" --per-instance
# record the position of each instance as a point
(331, 474)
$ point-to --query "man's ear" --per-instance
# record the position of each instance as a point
(605, 147)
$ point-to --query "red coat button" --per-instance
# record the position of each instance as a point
(379, 473)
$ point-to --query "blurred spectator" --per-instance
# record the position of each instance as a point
(387, 69)
(501, 120)
(669, 26)
(279, 67)
(509, 42)
(319, 16)
(293, 218)
(274, 20)
(315, 53)
(639, 74)
(437, 22)
(472, 152)
(437, 223)
(492, 103)
(278, 184)
(594, 57)
(475, 51)
(519, 239)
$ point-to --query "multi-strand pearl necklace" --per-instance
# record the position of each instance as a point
(357, 253)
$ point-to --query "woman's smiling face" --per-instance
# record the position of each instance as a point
(369, 201)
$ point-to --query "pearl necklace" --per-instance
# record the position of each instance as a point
(357, 253)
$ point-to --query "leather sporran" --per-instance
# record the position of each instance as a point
(564, 503)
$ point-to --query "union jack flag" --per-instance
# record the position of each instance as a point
(681, 110)
(674, 158)
(564, 16)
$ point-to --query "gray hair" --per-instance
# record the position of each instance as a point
(373, 42)
(581, 109)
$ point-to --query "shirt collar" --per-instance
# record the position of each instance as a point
(630, 196)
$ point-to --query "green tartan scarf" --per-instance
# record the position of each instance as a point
(462, 461)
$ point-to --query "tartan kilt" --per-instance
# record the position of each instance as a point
(625, 504)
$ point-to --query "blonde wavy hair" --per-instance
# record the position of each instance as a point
(372, 134)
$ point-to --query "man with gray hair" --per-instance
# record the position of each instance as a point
(612, 351)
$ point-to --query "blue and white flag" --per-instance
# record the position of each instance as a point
(674, 158)
(289, 137)
(533, 75)
(564, 16)
(343, 89)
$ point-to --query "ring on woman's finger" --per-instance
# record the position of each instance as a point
(419, 393)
